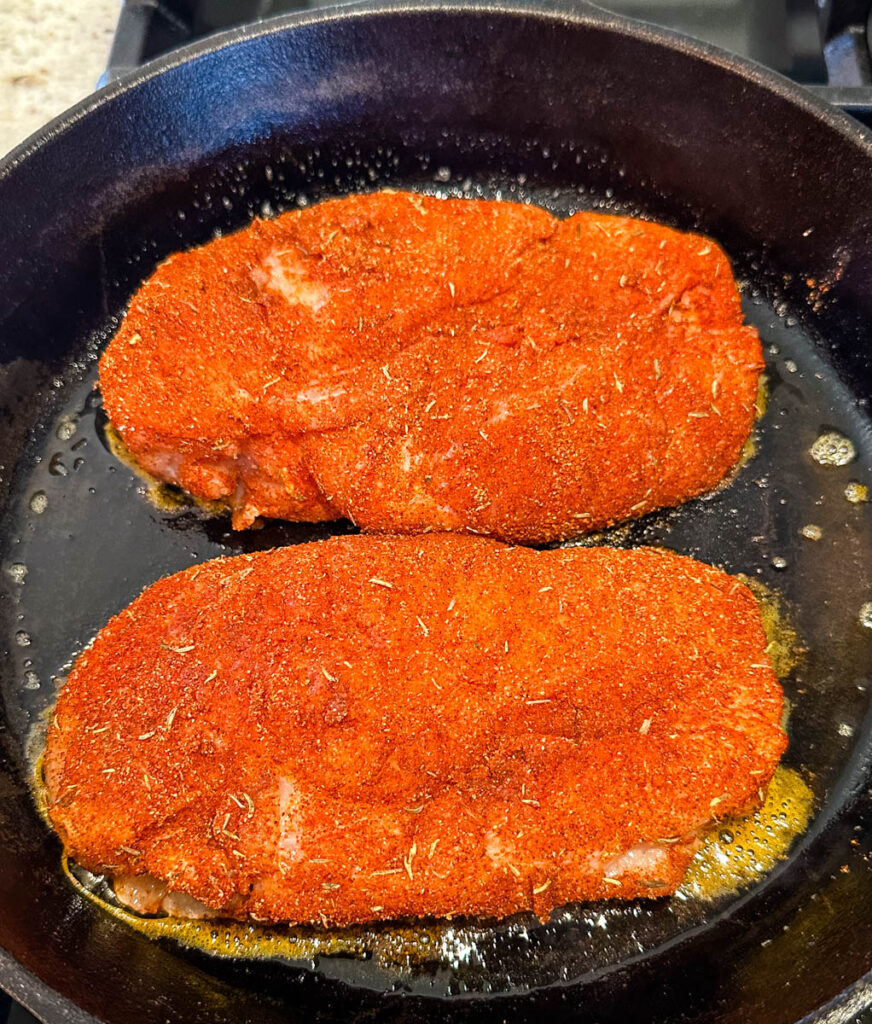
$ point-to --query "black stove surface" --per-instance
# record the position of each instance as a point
(822, 44)
(13, 1013)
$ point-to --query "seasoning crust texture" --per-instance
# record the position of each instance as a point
(387, 357)
(375, 728)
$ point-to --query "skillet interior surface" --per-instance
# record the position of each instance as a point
(80, 539)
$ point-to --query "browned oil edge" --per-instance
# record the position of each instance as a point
(163, 496)
(784, 646)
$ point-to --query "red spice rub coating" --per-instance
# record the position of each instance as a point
(420, 364)
(370, 728)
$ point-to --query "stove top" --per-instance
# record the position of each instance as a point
(821, 44)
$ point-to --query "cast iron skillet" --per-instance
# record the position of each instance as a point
(568, 108)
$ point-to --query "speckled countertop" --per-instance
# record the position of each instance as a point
(51, 54)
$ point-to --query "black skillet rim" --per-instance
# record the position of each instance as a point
(24, 986)
(577, 12)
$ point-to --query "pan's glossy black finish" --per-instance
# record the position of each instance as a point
(569, 109)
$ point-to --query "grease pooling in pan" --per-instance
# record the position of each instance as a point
(736, 854)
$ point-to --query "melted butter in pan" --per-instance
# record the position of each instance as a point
(749, 449)
(784, 649)
(743, 850)
(735, 854)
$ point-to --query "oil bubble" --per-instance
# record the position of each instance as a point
(833, 449)
(811, 532)
(845, 729)
(856, 492)
(38, 502)
(66, 429)
(31, 680)
(22, 638)
(56, 465)
(779, 563)
(865, 615)
(18, 571)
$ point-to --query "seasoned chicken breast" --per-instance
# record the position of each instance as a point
(368, 728)
(419, 364)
